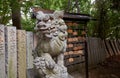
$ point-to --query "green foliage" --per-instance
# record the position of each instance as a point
(28, 24)
(5, 15)
(107, 13)
(51, 4)
(107, 24)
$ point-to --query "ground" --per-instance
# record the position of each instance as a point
(109, 69)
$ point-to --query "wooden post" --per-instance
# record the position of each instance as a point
(2, 52)
(11, 52)
(21, 53)
(29, 50)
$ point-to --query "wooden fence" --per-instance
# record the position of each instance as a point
(99, 50)
(16, 51)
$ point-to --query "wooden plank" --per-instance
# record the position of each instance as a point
(102, 50)
(106, 50)
(11, 50)
(118, 43)
(29, 50)
(98, 51)
(2, 52)
(113, 47)
(94, 47)
(88, 47)
(116, 46)
(91, 52)
(109, 48)
(21, 53)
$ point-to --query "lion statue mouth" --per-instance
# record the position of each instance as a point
(46, 29)
(49, 32)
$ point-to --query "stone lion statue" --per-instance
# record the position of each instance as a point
(51, 33)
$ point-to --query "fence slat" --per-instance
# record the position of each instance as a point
(106, 49)
(21, 53)
(11, 50)
(96, 51)
(29, 50)
(113, 47)
(91, 52)
(109, 48)
(116, 46)
(99, 52)
(102, 50)
(118, 43)
(2, 52)
(90, 62)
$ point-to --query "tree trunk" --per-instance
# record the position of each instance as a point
(16, 15)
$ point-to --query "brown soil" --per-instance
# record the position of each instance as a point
(109, 69)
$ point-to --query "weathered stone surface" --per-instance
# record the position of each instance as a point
(22, 66)
(49, 68)
(11, 52)
(51, 32)
(29, 50)
(2, 52)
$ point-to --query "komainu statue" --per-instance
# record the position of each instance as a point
(51, 32)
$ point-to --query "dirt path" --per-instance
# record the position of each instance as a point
(109, 69)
